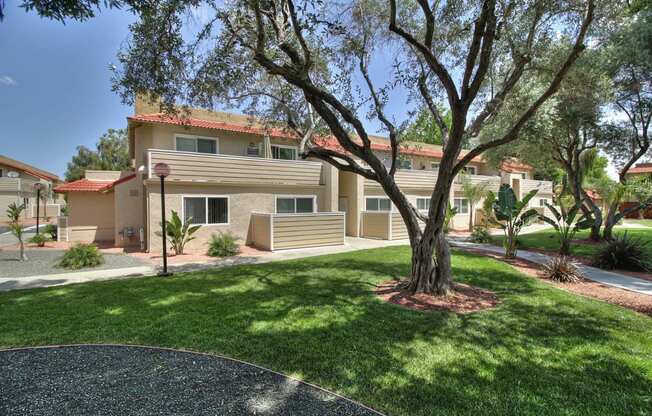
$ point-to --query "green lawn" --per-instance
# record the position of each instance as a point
(547, 240)
(543, 351)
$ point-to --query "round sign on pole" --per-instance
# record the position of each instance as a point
(162, 170)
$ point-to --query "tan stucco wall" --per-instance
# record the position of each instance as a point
(351, 188)
(242, 202)
(128, 212)
(91, 216)
(261, 231)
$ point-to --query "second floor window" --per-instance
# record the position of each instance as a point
(378, 204)
(196, 144)
(404, 163)
(295, 205)
(284, 152)
(542, 202)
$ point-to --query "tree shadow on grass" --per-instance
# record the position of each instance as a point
(542, 351)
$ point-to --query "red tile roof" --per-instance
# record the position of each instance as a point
(87, 185)
(415, 149)
(514, 166)
(641, 168)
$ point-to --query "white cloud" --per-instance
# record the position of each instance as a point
(7, 81)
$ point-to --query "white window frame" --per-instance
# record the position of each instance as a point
(195, 137)
(286, 146)
(391, 206)
(468, 206)
(277, 197)
(422, 198)
(473, 168)
(228, 208)
(542, 202)
(403, 159)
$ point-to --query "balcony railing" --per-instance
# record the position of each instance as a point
(16, 185)
(236, 170)
(544, 187)
(425, 180)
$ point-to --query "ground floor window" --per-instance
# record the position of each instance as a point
(206, 210)
(469, 170)
(461, 205)
(542, 202)
(423, 204)
(295, 204)
(378, 204)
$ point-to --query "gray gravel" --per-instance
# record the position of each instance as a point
(116, 380)
(43, 262)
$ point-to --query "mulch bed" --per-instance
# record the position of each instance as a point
(462, 299)
(109, 380)
(625, 298)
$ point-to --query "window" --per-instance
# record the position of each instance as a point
(0, 173)
(462, 205)
(295, 205)
(404, 163)
(206, 210)
(423, 204)
(523, 175)
(196, 144)
(542, 202)
(469, 170)
(378, 204)
(284, 152)
(434, 166)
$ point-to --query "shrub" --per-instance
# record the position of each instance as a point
(511, 216)
(480, 234)
(623, 252)
(50, 230)
(80, 256)
(40, 239)
(179, 232)
(561, 269)
(450, 213)
(565, 224)
(223, 245)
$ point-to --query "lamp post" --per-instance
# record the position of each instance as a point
(38, 186)
(162, 170)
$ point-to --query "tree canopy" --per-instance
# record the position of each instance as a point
(111, 153)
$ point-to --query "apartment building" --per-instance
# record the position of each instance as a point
(17, 181)
(228, 173)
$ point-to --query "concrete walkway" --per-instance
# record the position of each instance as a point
(351, 244)
(597, 275)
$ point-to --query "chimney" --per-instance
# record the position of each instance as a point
(146, 104)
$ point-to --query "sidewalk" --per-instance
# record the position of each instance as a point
(597, 275)
(352, 244)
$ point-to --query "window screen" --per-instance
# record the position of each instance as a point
(195, 210)
(218, 211)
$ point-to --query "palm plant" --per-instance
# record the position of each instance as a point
(450, 213)
(511, 217)
(565, 225)
(474, 192)
(14, 212)
(179, 233)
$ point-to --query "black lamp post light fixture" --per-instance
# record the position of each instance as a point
(162, 170)
(38, 186)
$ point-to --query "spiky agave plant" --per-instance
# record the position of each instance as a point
(561, 269)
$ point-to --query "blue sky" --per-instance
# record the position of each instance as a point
(55, 89)
(55, 85)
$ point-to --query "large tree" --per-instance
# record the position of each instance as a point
(111, 153)
(310, 64)
(629, 62)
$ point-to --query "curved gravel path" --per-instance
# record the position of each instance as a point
(129, 380)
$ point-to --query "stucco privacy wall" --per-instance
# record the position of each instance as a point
(128, 212)
(242, 202)
(91, 216)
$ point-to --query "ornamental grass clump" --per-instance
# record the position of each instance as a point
(624, 253)
(40, 239)
(560, 269)
(480, 234)
(223, 245)
(81, 256)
